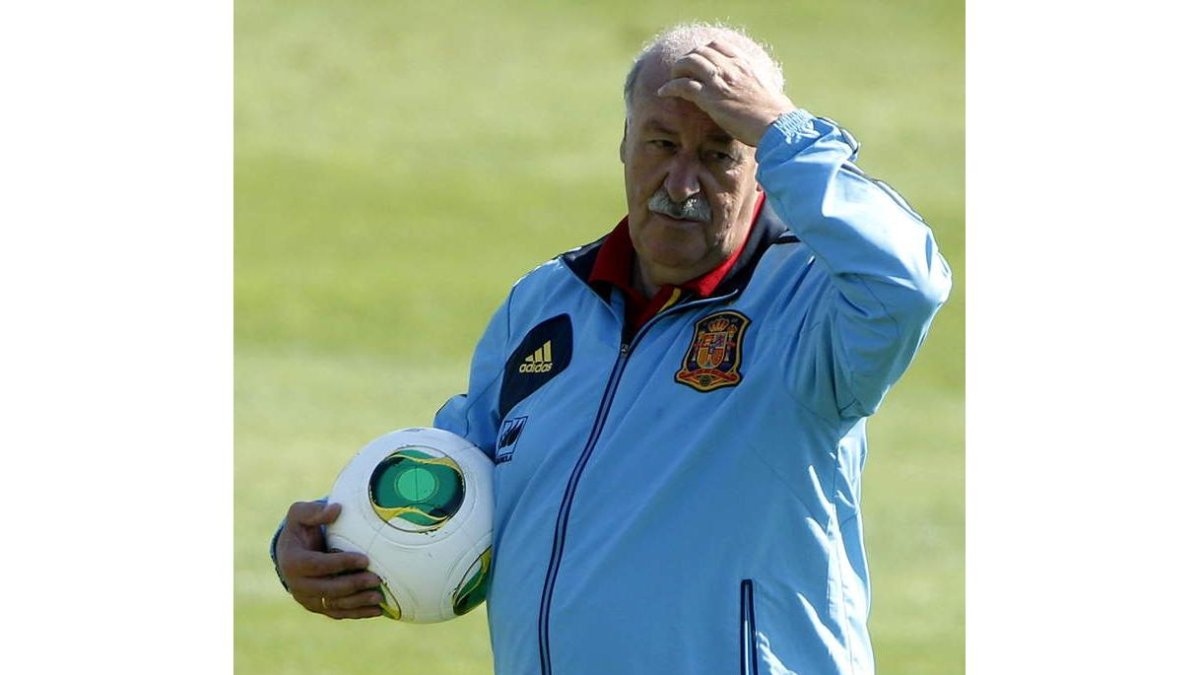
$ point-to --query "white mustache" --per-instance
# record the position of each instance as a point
(693, 208)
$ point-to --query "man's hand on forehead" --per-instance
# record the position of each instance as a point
(720, 81)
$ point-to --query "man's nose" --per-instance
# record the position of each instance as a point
(683, 178)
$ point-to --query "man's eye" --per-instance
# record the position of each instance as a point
(662, 144)
(721, 157)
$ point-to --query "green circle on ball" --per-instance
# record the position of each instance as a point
(416, 484)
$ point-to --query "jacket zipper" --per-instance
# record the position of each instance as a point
(749, 641)
(564, 510)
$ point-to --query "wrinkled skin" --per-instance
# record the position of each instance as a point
(334, 584)
(692, 129)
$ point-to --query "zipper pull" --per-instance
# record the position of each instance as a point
(624, 349)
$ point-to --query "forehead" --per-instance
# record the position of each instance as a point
(653, 73)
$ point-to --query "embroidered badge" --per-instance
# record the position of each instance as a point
(715, 355)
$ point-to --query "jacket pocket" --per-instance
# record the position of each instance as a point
(749, 640)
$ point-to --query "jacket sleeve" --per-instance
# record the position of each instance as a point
(475, 414)
(886, 277)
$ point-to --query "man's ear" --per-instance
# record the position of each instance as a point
(624, 135)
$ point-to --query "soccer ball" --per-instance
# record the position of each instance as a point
(418, 503)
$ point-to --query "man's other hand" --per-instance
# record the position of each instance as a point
(337, 585)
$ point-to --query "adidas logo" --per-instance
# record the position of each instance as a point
(539, 361)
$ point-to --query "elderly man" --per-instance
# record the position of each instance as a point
(677, 411)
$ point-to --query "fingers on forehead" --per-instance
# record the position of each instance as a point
(722, 47)
(693, 63)
(707, 59)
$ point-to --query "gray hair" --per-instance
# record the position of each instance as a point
(673, 43)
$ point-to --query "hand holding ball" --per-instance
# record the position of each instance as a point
(418, 503)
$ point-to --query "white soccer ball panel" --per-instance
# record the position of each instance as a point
(418, 502)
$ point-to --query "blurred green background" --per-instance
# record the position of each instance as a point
(399, 164)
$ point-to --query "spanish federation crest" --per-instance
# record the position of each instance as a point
(715, 355)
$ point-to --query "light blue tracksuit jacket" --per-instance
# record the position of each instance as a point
(685, 499)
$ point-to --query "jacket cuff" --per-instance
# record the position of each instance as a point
(795, 131)
(275, 559)
(792, 127)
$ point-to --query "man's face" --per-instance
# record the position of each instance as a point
(673, 152)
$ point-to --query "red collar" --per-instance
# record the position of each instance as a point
(615, 261)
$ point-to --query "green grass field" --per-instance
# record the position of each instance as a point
(399, 165)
